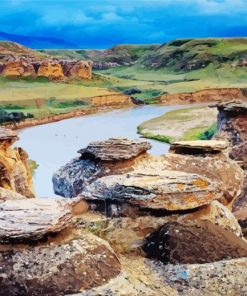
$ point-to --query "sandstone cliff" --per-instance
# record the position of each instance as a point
(204, 96)
(112, 100)
(52, 69)
(15, 174)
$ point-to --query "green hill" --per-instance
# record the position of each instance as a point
(8, 48)
(194, 54)
(121, 54)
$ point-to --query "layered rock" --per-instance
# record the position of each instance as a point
(50, 68)
(119, 171)
(112, 100)
(15, 174)
(205, 96)
(77, 69)
(194, 242)
(114, 149)
(31, 219)
(232, 123)
(43, 252)
(209, 159)
(71, 179)
(18, 67)
(168, 190)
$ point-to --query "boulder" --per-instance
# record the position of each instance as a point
(218, 214)
(194, 242)
(63, 265)
(168, 190)
(70, 179)
(115, 149)
(97, 159)
(32, 219)
(210, 160)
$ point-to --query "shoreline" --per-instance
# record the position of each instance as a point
(59, 117)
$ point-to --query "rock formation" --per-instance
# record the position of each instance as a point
(50, 68)
(19, 67)
(232, 123)
(43, 252)
(220, 94)
(112, 100)
(15, 174)
(120, 171)
(209, 159)
(77, 69)
(169, 208)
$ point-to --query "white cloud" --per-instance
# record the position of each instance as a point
(62, 17)
(111, 17)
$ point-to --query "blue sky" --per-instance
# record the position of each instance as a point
(103, 23)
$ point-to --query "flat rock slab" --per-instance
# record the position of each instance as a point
(31, 219)
(115, 149)
(234, 107)
(195, 242)
(7, 134)
(169, 190)
(6, 194)
(58, 267)
(202, 145)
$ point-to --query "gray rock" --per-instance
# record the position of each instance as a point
(31, 219)
(168, 190)
(70, 180)
(115, 149)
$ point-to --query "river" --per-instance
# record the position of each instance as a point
(53, 145)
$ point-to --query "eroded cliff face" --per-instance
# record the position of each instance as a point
(19, 67)
(112, 100)
(15, 174)
(52, 69)
(204, 96)
(232, 123)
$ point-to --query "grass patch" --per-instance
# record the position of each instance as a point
(201, 133)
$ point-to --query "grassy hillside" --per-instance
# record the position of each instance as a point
(14, 49)
(121, 54)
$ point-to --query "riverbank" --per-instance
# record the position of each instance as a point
(187, 124)
(99, 104)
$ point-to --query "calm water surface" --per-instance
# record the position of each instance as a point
(53, 145)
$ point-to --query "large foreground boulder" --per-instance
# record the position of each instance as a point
(60, 267)
(43, 252)
(194, 242)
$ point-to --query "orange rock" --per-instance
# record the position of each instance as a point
(51, 69)
(19, 67)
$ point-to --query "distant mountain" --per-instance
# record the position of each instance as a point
(37, 42)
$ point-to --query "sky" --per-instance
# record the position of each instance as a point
(104, 23)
